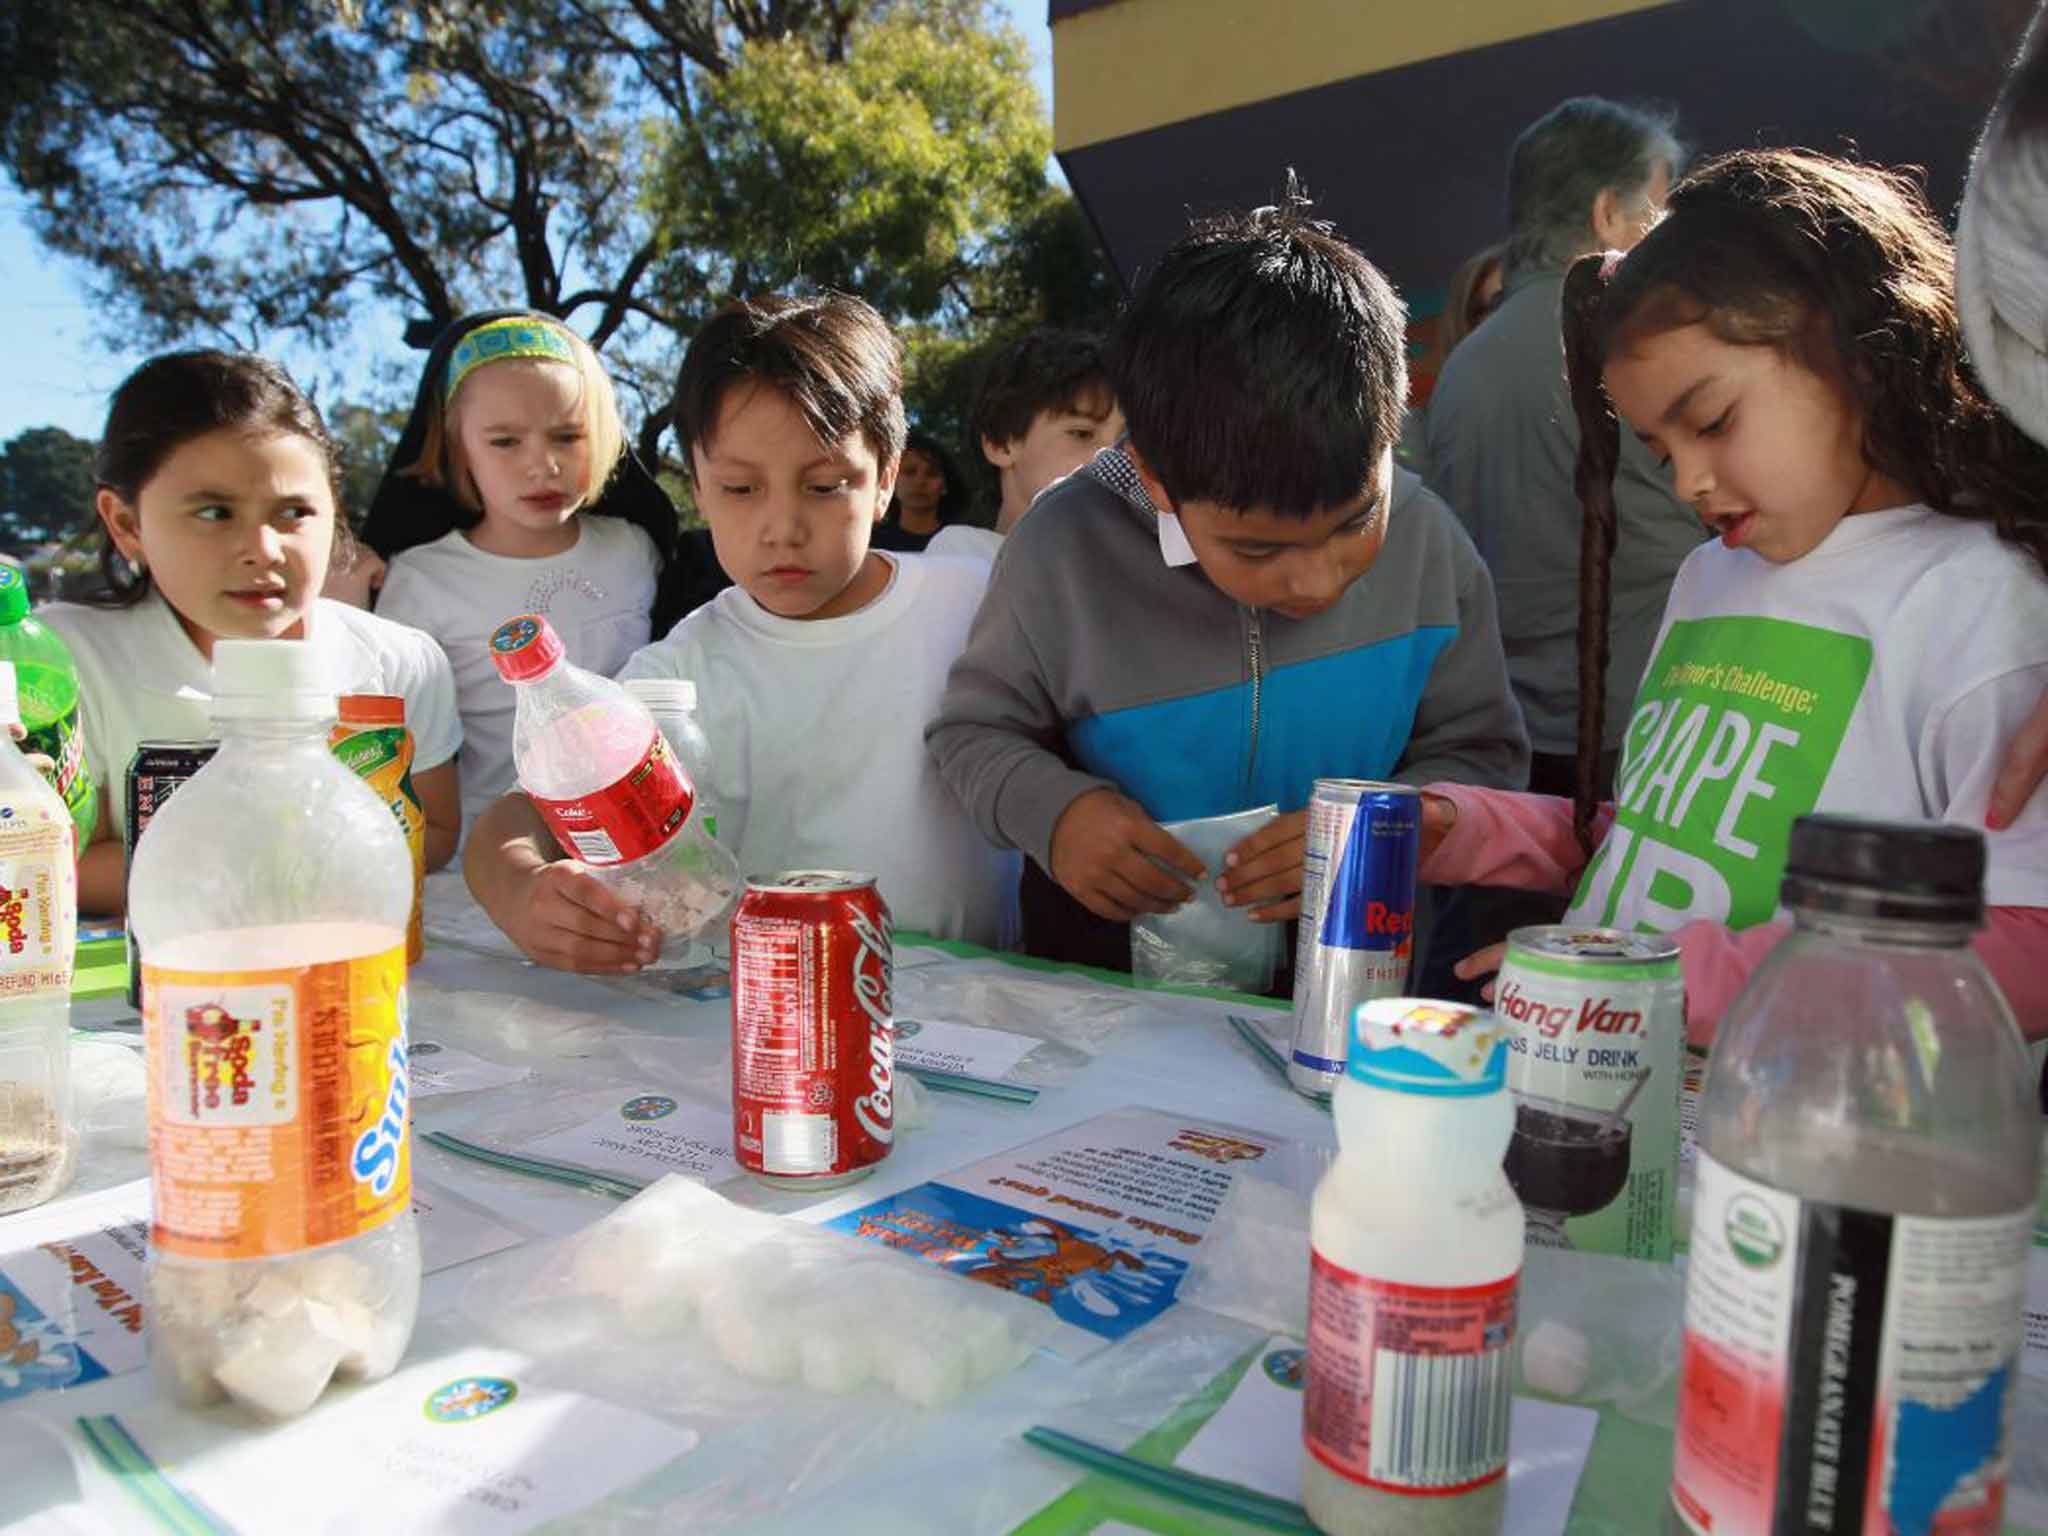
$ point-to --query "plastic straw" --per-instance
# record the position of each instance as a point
(1191, 1488)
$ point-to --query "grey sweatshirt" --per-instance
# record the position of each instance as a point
(1093, 662)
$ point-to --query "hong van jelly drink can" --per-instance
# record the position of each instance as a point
(1356, 933)
(1596, 1060)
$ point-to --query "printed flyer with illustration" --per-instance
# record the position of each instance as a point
(1097, 1222)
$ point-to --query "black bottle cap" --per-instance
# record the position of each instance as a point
(1929, 870)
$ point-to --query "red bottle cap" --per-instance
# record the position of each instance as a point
(525, 648)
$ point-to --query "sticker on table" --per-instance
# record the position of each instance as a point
(1097, 1222)
(1254, 1440)
(965, 1050)
(438, 1068)
(71, 1291)
(644, 1136)
(465, 1445)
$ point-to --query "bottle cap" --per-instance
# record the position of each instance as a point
(664, 692)
(525, 647)
(371, 709)
(10, 697)
(1413, 1045)
(253, 679)
(13, 594)
(1929, 870)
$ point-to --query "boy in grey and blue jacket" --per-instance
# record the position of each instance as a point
(1243, 597)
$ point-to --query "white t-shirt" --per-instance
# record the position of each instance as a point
(142, 679)
(598, 594)
(1882, 675)
(818, 760)
(964, 541)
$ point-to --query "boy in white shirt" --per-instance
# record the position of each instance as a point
(1043, 409)
(816, 673)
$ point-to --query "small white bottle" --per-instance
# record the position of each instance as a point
(1416, 1242)
(673, 703)
(38, 939)
(270, 896)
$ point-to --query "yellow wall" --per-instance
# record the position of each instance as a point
(1139, 64)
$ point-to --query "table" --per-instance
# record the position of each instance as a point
(1174, 1052)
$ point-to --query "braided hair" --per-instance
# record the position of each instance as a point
(1845, 269)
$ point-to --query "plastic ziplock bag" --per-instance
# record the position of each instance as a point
(1070, 1020)
(1203, 943)
(621, 1309)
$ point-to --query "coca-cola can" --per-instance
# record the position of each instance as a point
(813, 1034)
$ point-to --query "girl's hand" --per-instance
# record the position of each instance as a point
(1263, 871)
(1481, 962)
(359, 581)
(1439, 815)
(2026, 764)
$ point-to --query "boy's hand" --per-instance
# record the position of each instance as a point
(567, 918)
(1263, 871)
(1439, 815)
(1107, 853)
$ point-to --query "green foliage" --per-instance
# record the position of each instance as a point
(249, 173)
(366, 437)
(46, 488)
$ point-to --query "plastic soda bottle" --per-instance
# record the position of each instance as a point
(373, 742)
(1416, 1257)
(46, 683)
(38, 937)
(605, 780)
(270, 896)
(1869, 1149)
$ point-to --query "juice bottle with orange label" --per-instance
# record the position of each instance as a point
(270, 896)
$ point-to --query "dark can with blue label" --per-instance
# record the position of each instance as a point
(154, 772)
(1357, 925)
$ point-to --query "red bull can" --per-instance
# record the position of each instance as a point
(1356, 932)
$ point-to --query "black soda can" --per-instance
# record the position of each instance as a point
(154, 772)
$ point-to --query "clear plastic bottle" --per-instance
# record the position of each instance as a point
(1416, 1258)
(603, 777)
(1869, 1150)
(673, 703)
(38, 939)
(46, 684)
(270, 896)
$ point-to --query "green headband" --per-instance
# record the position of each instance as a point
(501, 339)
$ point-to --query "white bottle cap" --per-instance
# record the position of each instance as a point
(253, 679)
(664, 692)
(10, 697)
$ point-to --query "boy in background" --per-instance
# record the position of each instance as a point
(1246, 596)
(816, 672)
(1042, 410)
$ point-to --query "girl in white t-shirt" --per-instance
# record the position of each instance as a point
(1868, 628)
(512, 491)
(217, 496)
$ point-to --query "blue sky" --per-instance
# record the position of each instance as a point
(59, 371)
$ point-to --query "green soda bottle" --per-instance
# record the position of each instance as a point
(49, 700)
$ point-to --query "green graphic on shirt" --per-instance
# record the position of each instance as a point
(1735, 728)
